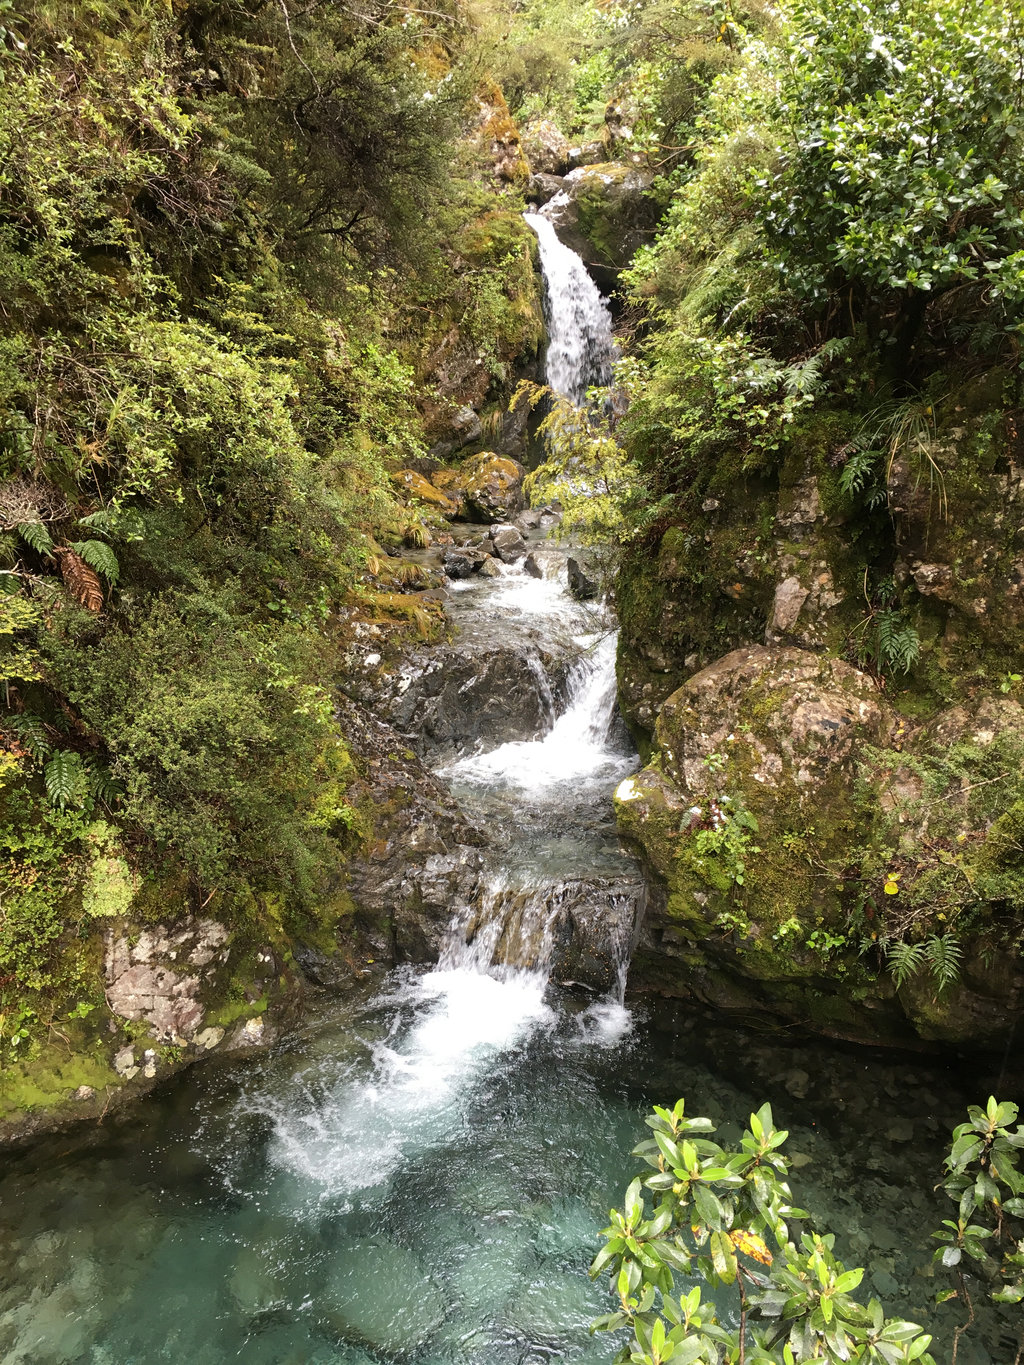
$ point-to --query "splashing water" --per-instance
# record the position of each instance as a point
(577, 749)
(581, 349)
(357, 1135)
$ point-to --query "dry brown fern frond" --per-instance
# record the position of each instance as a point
(82, 582)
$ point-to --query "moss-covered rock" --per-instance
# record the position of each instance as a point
(423, 490)
(606, 212)
(546, 147)
(794, 825)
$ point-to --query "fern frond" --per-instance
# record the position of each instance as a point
(859, 470)
(36, 536)
(904, 960)
(80, 580)
(944, 958)
(98, 521)
(64, 776)
(99, 556)
(102, 784)
(31, 734)
(806, 378)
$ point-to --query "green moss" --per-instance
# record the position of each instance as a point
(52, 1075)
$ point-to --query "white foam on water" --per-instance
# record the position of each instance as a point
(581, 349)
(479, 1004)
(577, 746)
(606, 1022)
(356, 1138)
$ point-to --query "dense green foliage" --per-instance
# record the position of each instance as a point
(852, 221)
(223, 266)
(713, 1209)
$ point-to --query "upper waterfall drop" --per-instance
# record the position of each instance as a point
(581, 349)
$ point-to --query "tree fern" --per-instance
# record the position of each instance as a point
(904, 960)
(944, 955)
(64, 776)
(35, 535)
(99, 556)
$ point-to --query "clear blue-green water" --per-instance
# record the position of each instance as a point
(420, 1176)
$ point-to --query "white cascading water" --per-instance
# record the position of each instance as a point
(577, 745)
(581, 349)
(479, 1002)
(487, 994)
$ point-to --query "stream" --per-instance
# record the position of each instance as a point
(419, 1175)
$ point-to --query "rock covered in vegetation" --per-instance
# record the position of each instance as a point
(493, 486)
(486, 487)
(604, 212)
(784, 807)
(417, 486)
(498, 137)
(546, 147)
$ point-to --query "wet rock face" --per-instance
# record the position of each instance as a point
(462, 562)
(423, 859)
(158, 975)
(543, 188)
(604, 212)
(449, 701)
(545, 564)
(508, 543)
(581, 585)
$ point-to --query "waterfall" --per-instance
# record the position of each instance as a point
(578, 745)
(486, 997)
(580, 345)
(558, 890)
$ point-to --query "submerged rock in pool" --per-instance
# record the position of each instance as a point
(557, 1306)
(377, 1294)
(253, 1285)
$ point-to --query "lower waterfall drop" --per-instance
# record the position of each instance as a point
(554, 870)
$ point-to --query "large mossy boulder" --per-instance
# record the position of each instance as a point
(493, 487)
(419, 487)
(606, 211)
(795, 827)
(485, 488)
(755, 758)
